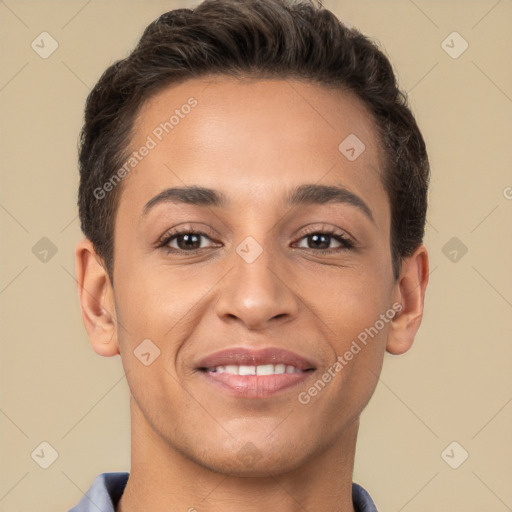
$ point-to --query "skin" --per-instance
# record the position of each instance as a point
(253, 140)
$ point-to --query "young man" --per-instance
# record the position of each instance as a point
(253, 195)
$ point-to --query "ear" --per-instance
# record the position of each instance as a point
(410, 293)
(96, 297)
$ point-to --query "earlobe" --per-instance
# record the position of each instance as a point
(410, 293)
(96, 299)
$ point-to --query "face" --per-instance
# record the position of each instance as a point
(284, 259)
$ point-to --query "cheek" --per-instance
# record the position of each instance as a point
(353, 317)
(162, 305)
(155, 299)
(357, 337)
(351, 301)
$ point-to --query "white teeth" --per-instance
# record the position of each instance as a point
(246, 370)
(280, 368)
(264, 369)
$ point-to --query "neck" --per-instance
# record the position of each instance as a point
(161, 478)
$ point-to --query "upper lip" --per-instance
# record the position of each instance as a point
(251, 357)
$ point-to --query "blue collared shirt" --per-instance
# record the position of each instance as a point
(107, 488)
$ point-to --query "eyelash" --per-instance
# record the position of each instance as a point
(346, 243)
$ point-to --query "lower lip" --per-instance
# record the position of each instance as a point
(255, 386)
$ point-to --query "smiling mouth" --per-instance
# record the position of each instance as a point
(255, 382)
(246, 372)
(263, 369)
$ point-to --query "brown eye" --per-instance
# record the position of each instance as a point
(319, 241)
(184, 241)
(188, 241)
(322, 242)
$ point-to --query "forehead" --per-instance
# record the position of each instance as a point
(252, 138)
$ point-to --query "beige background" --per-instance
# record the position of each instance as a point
(454, 385)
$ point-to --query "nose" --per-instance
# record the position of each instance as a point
(257, 294)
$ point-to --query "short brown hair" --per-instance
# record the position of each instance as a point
(261, 39)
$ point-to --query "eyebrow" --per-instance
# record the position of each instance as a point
(303, 194)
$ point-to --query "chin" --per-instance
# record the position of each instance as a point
(249, 460)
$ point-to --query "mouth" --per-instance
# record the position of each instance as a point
(262, 369)
(247, 373)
